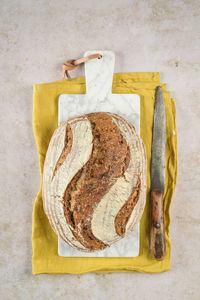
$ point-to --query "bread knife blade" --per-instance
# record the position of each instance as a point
(157, 227)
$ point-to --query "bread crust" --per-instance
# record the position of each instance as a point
(94, 182)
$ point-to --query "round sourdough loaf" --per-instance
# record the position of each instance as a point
(94, 180)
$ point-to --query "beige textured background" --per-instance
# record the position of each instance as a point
(35, 38)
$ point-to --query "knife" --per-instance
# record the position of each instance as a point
(157, 228)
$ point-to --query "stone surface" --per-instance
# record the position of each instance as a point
(36, 38)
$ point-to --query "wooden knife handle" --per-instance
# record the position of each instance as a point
(157, 228)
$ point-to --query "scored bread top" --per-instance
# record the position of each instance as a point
(94, 181)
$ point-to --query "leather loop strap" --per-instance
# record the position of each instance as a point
(71, 64)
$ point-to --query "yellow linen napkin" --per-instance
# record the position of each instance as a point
(45, 120)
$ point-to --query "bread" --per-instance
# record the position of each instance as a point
(94, 180)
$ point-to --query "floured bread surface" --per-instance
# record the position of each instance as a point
(94, 181)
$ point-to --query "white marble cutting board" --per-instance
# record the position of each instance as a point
(99, 97)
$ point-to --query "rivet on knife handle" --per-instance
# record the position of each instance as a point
(157, 228)
(157, 231)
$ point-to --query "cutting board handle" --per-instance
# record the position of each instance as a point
(157, 227)
(99, 74)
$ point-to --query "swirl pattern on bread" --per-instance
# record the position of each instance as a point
(94, 180)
